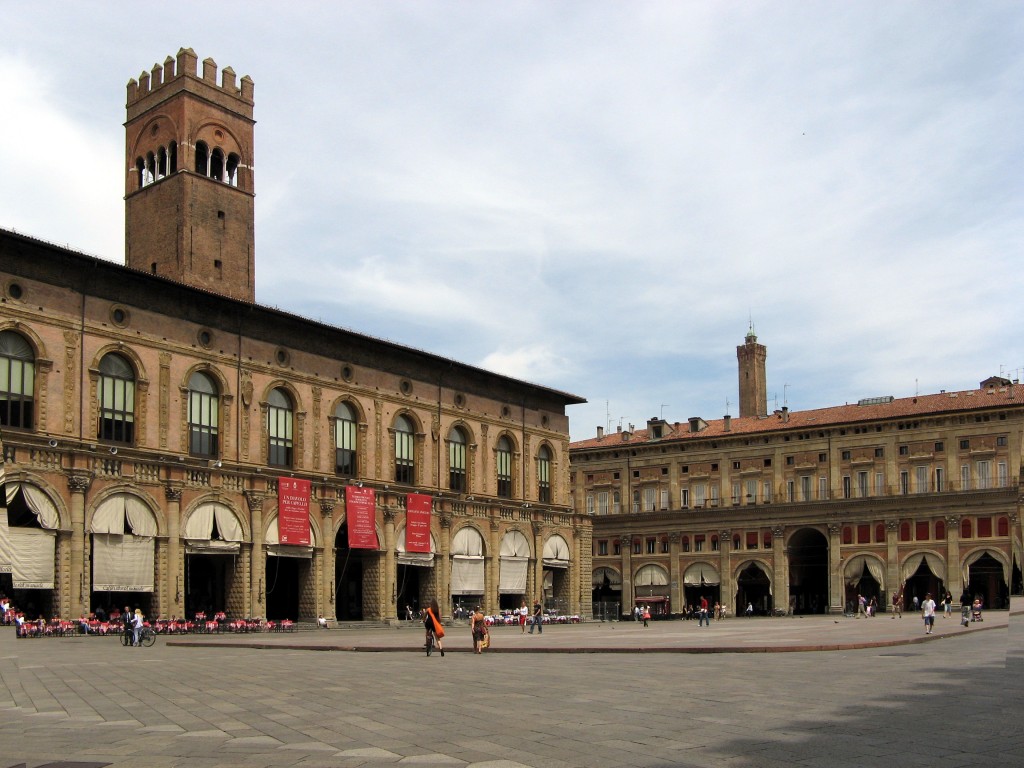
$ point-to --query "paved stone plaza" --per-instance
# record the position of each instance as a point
(955, 700)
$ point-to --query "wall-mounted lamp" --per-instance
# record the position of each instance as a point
(216, 464)
(53, 443)
(526, 505)
(359, 485)
(259, 469)
(469, 498)
(113, 451)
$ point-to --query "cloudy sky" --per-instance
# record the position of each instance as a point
(593, 196)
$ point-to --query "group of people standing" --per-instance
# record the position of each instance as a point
(478, 628)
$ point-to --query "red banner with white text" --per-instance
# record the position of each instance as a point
(360, 517)
(293, 511)
(417, 522)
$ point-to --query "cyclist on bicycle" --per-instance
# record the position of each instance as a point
(432, 625)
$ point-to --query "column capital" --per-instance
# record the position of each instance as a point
(173, 493)
(778, 531)
(78, 482)
(445, 520)
(389, 514)
(952, 519)
(326, 507)
(255, 500)
(892, 525)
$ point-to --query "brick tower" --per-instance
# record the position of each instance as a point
(189, 211)
(753, 387)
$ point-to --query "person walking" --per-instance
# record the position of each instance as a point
(136, 626)
(538, 618)
(126, 620)
(523, 612)
(478, 628)
(947, 603)
(703, 618)
(647, 615)
(432, 625)
(928, 611)
(862, 604)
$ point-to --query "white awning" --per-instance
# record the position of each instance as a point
(854, 570)
(198, 533)
(701, 574)
(467, 575)
(556, 552)
(913, 563)
(277, 549)
(468, 542)
(122, 563)
(38, 502)
(515, 544)
(613, 577)
(512, 576)
(121, 510)
(32, 563)
(651, 576)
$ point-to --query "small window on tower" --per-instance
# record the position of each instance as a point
(217, 264)
(220, 215)
(152, 267)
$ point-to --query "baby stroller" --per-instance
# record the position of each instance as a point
(976, 611)
(965, 615)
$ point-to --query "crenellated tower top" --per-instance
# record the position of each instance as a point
(189, 186)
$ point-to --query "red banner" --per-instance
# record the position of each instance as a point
(417, 522)
(360, 517)
(293, 511)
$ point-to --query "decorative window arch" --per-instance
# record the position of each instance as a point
(457, 474)
(405, 450)
(203, 415)
(544, 475)
(280, 428)
(116, 395)
(503, 466)
(346, 440)
(17, 381)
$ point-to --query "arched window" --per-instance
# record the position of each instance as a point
(17, 381)
(940, 529)
(202, 158)
(116, 394)
(279, 429)
(172, 151)
(504, 468)
(345, 440)
(161, 163)
(544, 475)
(217, 164)
(232, 170)
(150, 168)
(457, 460)
(140, 171)
(405, 451)
(203, 415)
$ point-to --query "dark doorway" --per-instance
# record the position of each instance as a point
(348, 578)
(205, 584)
(408, 589)
(753, 588)
(986, 581)
(808, 572)
(922, 583)
(282, 586)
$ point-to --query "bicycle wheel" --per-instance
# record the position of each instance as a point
(125, 639)
(430, 644)
(148, 637)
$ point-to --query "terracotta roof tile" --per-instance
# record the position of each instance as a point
(898, 408)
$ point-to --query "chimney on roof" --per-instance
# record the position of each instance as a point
(727, 423)
(600, 432)
(785, 413)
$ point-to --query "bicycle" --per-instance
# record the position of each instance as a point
(146, 637)
(431, 642)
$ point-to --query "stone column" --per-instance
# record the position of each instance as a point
(836, 595)
(326, 593)
(727, 590)
(892, 561)
(79, 583)
(675, 574)
(258, 570)
(538, 563)
(492, 570)
(626, 552)
(953, 576)
(390, 610)
(443, 566)
(780, 570)
(577, 574)
(174, 583)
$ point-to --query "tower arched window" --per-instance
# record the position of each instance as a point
(279, 429)
(504, 467)
(116, 395)
(140, 172)
(232, 170)
(172, 158)
(457, 460)
(345, 447)
(202, 158)
(217, 164)
(150, 168)
(17, 381)
(161, 162)
(544, 475)
(405, 451)
(203, 415)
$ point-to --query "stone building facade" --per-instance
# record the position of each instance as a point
(802, 511)
(153, 415)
